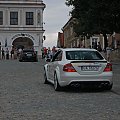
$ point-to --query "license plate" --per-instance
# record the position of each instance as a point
(29, 55)
(89, 68)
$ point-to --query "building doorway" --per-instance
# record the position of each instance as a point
(23, 43)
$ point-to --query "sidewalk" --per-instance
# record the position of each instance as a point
(115, 56)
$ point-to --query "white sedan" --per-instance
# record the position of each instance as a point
(78, 67)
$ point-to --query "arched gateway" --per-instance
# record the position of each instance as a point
(24, 43)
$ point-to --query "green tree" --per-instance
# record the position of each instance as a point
(96, 16)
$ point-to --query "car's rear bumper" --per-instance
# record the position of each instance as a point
(72, 78)
(29, 59)
(97, 84)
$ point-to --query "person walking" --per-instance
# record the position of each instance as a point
(3, 54)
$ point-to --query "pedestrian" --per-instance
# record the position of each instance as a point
(19, 52)
(108, 51)
(7, 53)
(99, 47)
(95, 45)
(12, 53)
(82, 46)
(49, 53)
(15, 53)
(90, 46)
(42, 52)
(3, 54)
(53, 50)
(45, 52)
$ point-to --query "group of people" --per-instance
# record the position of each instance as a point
(97, 46)
(108, 50)
(47, 52)
(14, 53)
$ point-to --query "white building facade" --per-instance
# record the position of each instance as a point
(21, 24)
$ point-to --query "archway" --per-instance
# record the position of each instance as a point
(23, 42)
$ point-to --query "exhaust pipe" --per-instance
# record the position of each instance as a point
(75, 85)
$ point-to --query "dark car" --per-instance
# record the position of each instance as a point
(28, 55)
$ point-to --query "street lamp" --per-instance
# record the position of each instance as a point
(44, 38)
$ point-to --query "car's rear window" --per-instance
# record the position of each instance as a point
(83, 55)
(24, 51)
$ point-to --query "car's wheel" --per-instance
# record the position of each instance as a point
(45, 77)
(56, 84)
(20, 60)
(109, 87)
(36, 60)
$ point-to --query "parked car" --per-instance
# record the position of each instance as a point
(78, 67)
(28, 55)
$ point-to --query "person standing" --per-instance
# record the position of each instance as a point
(3, 54)
(19, 52)
(99, 47)
(49, 53)
(108, 51)
(95, 45)
(45, 52)
(12, 53)
(7, 53)
(15, 53)
(53, 50)
(42, 52)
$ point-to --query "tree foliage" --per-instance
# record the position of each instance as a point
(96, 16)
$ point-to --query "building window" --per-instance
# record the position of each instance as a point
(1, 17)
(29, 18)
(13, 18)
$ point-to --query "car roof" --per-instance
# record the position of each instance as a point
(77, 49)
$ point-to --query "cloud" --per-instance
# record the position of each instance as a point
(56, 14)
(50, 40)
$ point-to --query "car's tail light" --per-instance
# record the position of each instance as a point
(108, 67)
(68, 68)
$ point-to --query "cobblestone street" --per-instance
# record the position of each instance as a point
(73, 71)
(19, 88)
(23, 96)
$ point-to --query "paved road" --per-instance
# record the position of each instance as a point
(23, 96)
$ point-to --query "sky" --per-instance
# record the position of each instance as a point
(55, 16)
